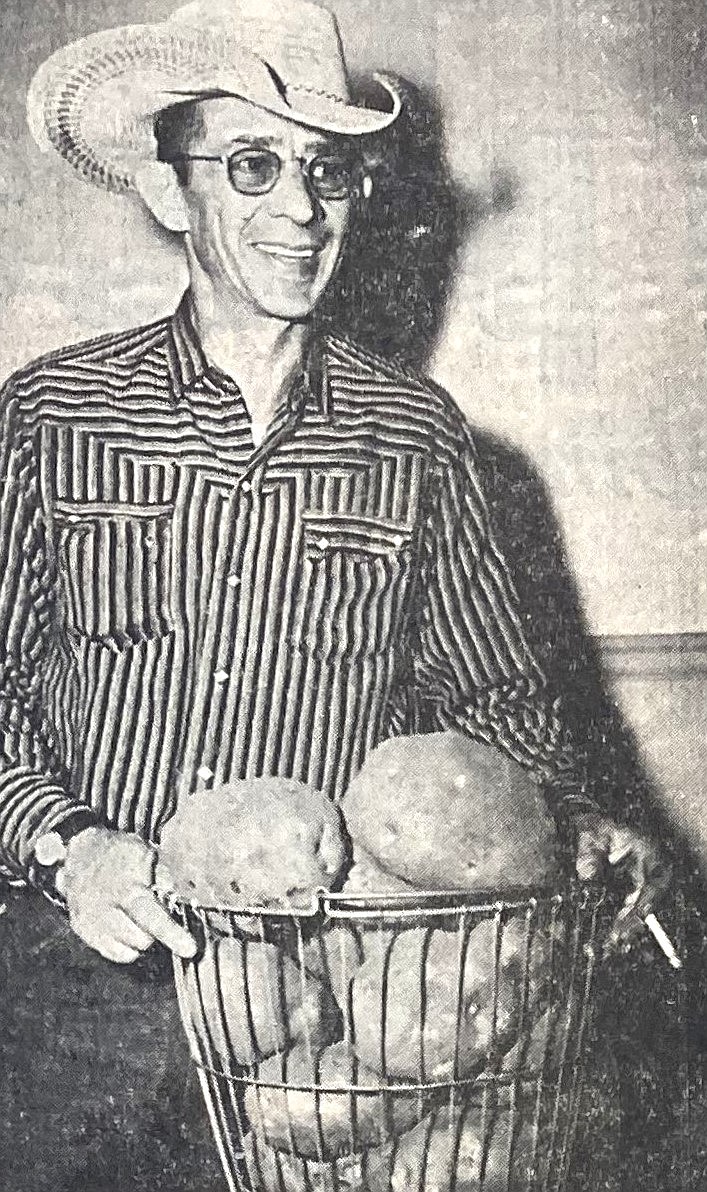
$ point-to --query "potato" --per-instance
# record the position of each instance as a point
(367, 878)
(542, 1045)
(337, 951)
(444, 812)
(409, 1006)
(276, 1171)
(446, 1152)
(252, 1001)
(330, 1123)
(258, 842)
(334, 955)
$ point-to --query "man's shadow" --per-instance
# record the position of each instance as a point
(392, 294)
(396, 275)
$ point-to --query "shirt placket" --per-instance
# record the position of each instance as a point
(232, 593)
(215, 664)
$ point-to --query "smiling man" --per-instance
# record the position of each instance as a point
(230, 545)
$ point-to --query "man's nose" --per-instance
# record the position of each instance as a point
(293, 195)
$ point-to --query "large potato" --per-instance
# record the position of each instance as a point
(331, 1123)
(257, 842)
(449, 1152)
(248, 1000)
(423, 1006)
(444, 812)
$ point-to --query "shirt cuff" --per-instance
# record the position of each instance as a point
(31, 806)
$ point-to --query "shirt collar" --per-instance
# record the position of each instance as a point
(188, 364)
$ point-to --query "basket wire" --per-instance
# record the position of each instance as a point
(291, 991)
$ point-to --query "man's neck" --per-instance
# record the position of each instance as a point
(263, 355)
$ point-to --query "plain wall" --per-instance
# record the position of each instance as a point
(668, 718)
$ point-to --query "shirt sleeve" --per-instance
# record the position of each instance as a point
(33, 795)
(474, 670)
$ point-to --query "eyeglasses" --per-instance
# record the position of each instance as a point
(255, 171)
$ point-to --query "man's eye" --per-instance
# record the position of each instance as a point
(331, 172)
(253, 168)
(329, 167)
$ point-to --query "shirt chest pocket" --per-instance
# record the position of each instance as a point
(115, 564)
(354, 586)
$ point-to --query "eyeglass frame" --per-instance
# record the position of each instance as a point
(365, 180)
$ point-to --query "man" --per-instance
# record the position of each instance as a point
(231, 545)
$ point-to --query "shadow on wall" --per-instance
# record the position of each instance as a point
(392, 293)
(402, 257)
(394, 286)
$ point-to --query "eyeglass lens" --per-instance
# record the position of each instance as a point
(255, 172)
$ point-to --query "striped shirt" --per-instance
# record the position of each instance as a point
(179, 608)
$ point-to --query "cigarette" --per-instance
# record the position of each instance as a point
(663, 941)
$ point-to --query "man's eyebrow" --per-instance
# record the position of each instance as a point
(249, 138)
(268, 142)
(323, 147)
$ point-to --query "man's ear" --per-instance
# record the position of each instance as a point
(157, 185)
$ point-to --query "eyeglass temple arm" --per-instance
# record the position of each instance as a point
(195, 157)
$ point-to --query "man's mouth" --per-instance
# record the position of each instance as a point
(288, 252)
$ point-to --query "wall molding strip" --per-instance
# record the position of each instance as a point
(654, 655)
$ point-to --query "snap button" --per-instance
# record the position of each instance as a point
(398, 540)
(246, 486)
(221, 676)
(322, 543)
(205, 773)
(233, 581)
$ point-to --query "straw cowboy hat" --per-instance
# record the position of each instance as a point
(94, 101)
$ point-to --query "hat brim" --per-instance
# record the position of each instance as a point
(94, 102)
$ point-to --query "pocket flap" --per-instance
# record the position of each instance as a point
(78, 511)
(342, 531)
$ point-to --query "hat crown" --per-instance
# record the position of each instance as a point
(298, 39)
(95, 101)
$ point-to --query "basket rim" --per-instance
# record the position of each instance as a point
(430, 902)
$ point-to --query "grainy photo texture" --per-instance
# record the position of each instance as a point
(352, 596)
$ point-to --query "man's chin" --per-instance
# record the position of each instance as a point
(290, 307)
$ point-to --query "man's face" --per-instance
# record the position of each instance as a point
(277, 251)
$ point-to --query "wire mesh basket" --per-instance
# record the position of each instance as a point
(430, 1043)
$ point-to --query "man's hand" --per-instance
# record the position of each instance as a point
(602, 846)
(106, 880)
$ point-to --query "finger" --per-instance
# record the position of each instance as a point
(125, 931)
(144, 909)
(117, 952)
(621, 843)
(590, 857)
(106, 946)
(650, 877)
